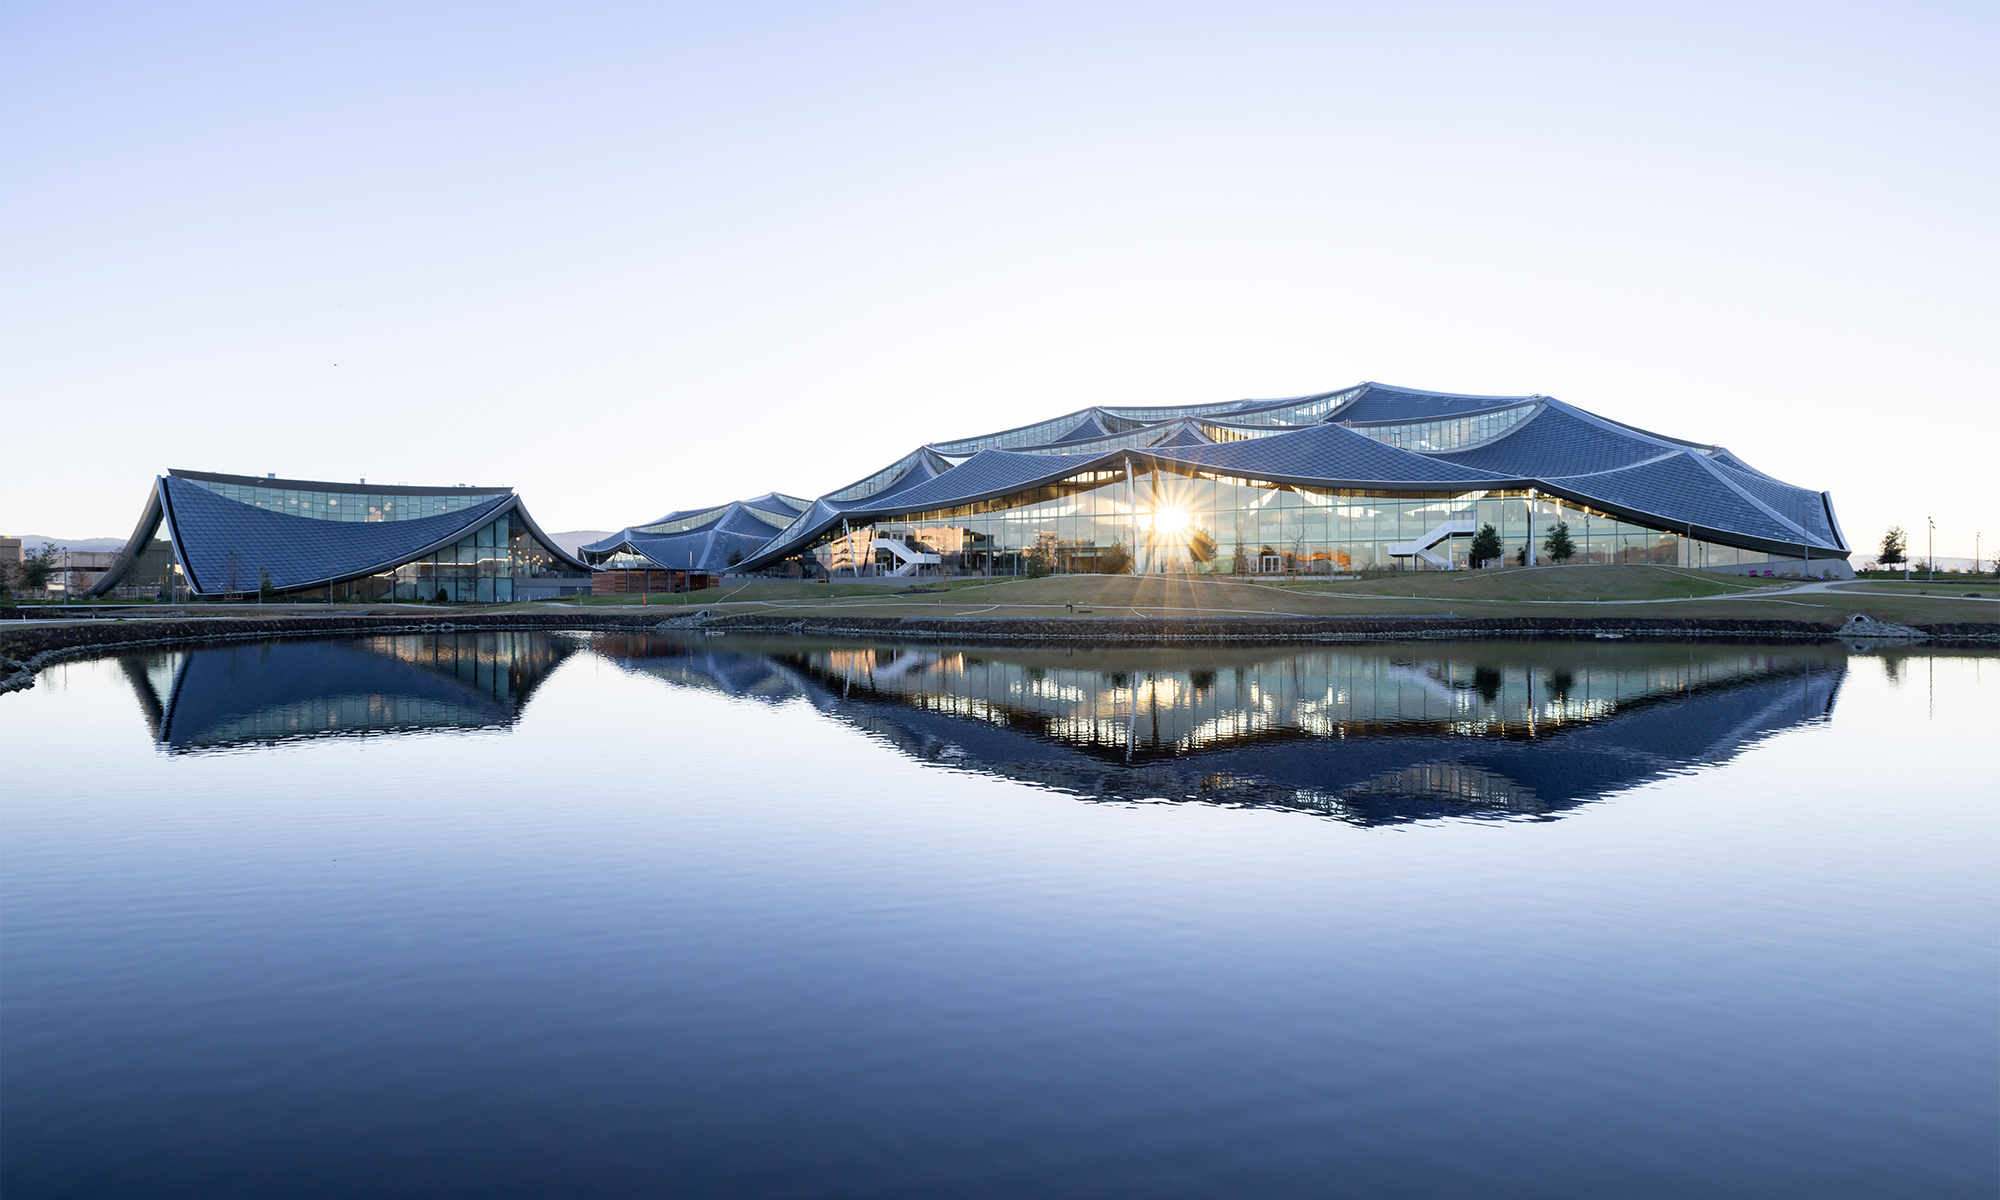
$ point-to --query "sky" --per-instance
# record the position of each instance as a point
(635, 258)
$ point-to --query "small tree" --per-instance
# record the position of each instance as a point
(38, 567)
(1485, 546)
(1239, 560)
(1115, 559)
(1557, 545)
(1035, 562)
(1894, 543)
(443, 597)
(735, 556)
(264, 589)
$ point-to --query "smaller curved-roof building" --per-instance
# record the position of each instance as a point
(210, 535)
(706, 541)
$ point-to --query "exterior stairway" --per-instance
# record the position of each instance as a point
(907, 558)
(1463, 521)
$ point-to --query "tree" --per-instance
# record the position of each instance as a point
(1486, 546)
(1557, 545)
(1115, 559)
(735, 556)
(38, 567)
(1894, 543)
(265, 591)
(443, 597)
(1201, 546)
(1239, 560)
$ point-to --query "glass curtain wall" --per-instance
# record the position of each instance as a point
(343, 506)
(481, 567)
(154, 574)
(1208, 524)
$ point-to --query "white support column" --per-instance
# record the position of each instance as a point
(1138, 547)
(1531, 527)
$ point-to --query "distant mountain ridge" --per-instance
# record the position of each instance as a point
(31, 542)
(568, 541)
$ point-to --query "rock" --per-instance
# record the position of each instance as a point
(693, 620)
(1860, 625)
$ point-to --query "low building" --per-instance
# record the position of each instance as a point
(689, 549)
(210, 535)
(77, 571)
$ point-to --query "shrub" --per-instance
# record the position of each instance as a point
(1557, 545)
(1485, 546)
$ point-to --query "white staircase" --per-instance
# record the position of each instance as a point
(907, 559)
(1464, 520)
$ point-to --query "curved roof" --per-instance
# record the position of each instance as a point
(226, 546)
(1382, 402)
(1343, 439)
(1322, 454)
(702, 539)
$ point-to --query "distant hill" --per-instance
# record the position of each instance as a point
(31, 542)
(568, 541)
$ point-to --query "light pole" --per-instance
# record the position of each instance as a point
(1930, 548)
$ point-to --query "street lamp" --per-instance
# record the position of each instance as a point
(1930, 548)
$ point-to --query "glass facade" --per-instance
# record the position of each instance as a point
(1305, 412)
(344, 506)
(480, 567)
(692, 521)
(1450, 433)
(1124, 421)
(879, 480)
(154, 574)
(1213, 524)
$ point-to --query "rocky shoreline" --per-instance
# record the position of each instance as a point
(26, 649)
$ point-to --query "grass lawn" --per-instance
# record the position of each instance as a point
(1567, 591)
(1524, 591)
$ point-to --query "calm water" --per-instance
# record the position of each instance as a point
(497, 915)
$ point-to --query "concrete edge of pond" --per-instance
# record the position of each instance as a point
(25, 651)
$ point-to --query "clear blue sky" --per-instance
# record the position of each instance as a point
(634, 258)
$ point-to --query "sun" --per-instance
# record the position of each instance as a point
(1171, 520)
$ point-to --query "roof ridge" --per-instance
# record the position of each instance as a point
(1714, 469)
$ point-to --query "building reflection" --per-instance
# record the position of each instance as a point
(256, 694)
(1366, 733)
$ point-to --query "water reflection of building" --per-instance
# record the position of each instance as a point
(1367, 733)
(259, 693)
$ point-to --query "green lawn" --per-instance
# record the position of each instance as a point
(1567, 591)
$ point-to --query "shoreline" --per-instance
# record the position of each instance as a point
(26, 650)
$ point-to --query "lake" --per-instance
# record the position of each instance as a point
(530, 914)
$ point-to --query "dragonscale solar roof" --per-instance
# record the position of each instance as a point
(1351, 439)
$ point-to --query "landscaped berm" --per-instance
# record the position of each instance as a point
(1564, 592)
